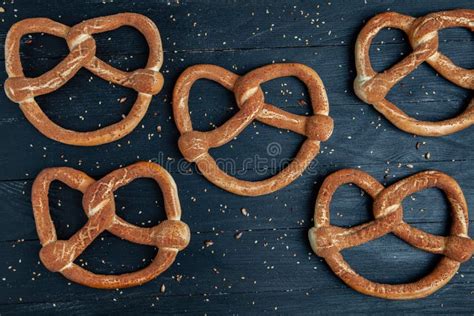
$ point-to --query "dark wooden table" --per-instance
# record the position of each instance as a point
(271, 267)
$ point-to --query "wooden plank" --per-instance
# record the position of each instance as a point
(271, 268)
(305, 302)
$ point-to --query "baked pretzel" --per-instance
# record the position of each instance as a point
(373, 87)
(327, 240)
(170, 236)
(23, 90)
(195, 145)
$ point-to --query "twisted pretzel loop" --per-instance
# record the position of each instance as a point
(373, 87)
(327, 240)
(170, 236)
(23, 90)
(195, 145)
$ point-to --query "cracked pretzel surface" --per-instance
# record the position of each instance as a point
(195, 145)
(170, 236)
(23, 90)
(373, 87)
(328, 241)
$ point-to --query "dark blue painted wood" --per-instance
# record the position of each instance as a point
(271, 267)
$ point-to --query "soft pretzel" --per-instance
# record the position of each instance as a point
(373, 87)
(23, 90)
(170, 236)
(328, 240)
(195, 145)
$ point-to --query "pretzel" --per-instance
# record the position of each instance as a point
(170, 236)
(327, 240)
(373, 87)
(20, 89)
(195, 145)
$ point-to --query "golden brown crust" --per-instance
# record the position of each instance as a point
(170, 236)
(195, 145)
(327, 240)
(146, 82)
(373, 87)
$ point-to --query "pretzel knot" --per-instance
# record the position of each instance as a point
(327, 240)
(23, 90)
(170, 236)
(195, 145)
(373, 87)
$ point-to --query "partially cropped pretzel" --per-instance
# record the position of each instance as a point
(327, 240)
(23, 90)
(373, 87)
(170, 236)
(195, 145)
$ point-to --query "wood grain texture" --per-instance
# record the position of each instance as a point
(271, 267)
